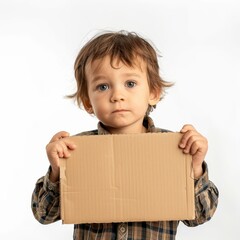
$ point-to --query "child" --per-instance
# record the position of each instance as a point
(118, 81)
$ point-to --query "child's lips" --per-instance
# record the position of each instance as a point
(120, 111)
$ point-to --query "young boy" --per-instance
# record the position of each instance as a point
(118, 81)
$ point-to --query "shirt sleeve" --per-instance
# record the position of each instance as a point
(46, 200)
(206, 199)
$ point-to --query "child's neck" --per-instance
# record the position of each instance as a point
(142, 129)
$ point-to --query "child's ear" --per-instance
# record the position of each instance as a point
(154, 97)
(88, 106)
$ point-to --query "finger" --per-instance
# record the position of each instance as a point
(187, 127)
(192, 140)
(60, 152)
(70, 144)
(56, 150)
(66, 146)
(59, 136)
(196, 147)
(186, 136)
(61, 149)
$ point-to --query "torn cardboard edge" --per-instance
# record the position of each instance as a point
(126, 178)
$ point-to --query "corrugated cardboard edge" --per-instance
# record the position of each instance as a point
(62, 181)
(190, 186)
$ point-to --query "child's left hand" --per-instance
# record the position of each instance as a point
(194, 143)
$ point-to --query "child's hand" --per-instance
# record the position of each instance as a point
(58, 147)
(195, 144)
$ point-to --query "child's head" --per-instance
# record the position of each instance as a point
(128, 48)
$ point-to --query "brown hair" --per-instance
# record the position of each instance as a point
(125, 46)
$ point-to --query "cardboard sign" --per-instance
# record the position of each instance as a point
(127, 178)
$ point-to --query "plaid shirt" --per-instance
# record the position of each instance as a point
(46, 208)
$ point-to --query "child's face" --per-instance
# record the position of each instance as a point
(119, 96)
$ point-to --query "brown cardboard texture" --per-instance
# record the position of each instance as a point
(127, 178)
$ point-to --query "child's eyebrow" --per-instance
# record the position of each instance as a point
(97, 78)
(102, 77)
(131, 75)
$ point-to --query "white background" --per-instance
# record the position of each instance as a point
(39, 40)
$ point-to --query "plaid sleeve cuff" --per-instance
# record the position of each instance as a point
(49, 186)
(202, 183)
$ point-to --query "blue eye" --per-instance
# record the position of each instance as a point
(130, 84)
(102, 87)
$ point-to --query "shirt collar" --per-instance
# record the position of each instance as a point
(147, 122)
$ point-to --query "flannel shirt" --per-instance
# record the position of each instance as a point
(46, 207)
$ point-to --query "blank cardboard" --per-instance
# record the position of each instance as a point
(127, 178)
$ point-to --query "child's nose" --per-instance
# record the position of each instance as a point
(117, 95)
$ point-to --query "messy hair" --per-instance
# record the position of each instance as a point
(123, 46)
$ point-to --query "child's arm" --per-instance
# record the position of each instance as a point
(206, 199)
(45, 198)
(206, 193)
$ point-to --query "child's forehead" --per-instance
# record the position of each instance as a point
(97, 65)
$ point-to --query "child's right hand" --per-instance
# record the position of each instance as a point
(58, 147)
